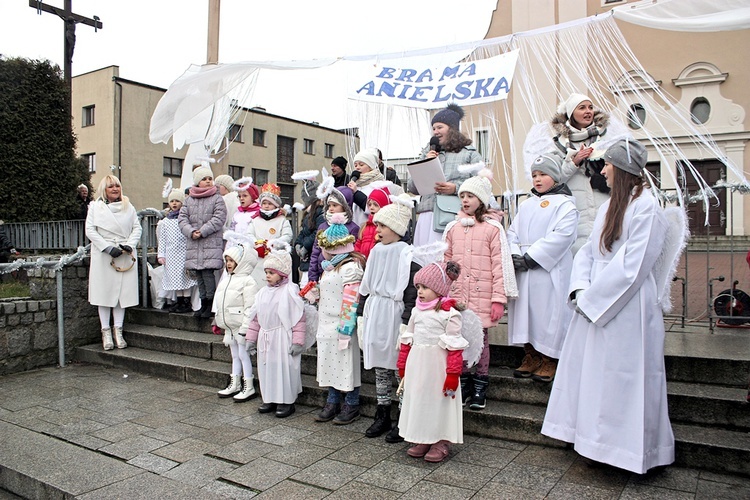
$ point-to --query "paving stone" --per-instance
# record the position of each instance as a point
(200, 471)
(529, 477)
(132, 447)
(210, 420)
(501, 491)
(723, 478)
(484, 455)
(551, 458)
(227, 490)
(186, 449)
(643, 492)
(357, 490)
(157, 419)
(183, 395)
(602, 476)
(673, 478)
(171, 433)
(245, 450)
(709, 490)
(393, 476)
(255, 422)
(86, 441)
(121, 431)
(82, 427)
(328, 474)
(299, 454)
(221, 436)
(153, 463)
(427, 490)
(470, 476)
(333, 437)
(281, 435)
(501, 443)
(362, 453)
(290, 489)
(261, 474)
(566, 491)
(148, 486)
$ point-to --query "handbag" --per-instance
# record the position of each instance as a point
(445, 210)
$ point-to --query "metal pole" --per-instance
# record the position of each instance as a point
(60, 319)
(144, 261)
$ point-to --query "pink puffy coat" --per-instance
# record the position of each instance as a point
(477, 250)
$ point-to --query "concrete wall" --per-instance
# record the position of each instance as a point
(28, 326)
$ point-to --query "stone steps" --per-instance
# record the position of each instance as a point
(711, 421)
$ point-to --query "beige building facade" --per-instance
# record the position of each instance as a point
(111, 119)
(705, 72)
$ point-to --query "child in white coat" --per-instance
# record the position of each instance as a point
(269, 224)
(277, 332)
(235, 296)
(430, 363)
(541, 237)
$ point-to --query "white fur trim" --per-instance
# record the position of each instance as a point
(167, 188)
(305, 175)
(242, 183)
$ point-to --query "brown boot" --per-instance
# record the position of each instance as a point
(531, 362)
(546, 372)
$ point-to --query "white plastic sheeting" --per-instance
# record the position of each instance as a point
(687, 15)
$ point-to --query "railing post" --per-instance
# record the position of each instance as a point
(144, 261)
(60, 318)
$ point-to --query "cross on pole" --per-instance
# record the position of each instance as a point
(70, 20)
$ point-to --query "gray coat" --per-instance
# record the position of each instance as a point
(450, 161)
(206, 215)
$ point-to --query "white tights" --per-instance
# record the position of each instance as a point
(240, 360)
(118, 313)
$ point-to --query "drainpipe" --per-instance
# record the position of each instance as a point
(118, 112)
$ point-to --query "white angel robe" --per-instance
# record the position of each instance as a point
(337, 368)
(427, 415)
(386, 277)
(278, 309)
(609, 396)
(545, 228)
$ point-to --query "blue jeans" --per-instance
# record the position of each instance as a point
(351, 398)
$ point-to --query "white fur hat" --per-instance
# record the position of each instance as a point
(280, 260)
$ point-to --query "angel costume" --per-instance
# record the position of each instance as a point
(609, 396)
(173, 248)
(278, 321)
(545, 229)
(427, 416)
(267, 230)
(337, 368)
(384, 282)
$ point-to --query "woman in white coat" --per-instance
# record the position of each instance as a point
(113, 228)
(609, 397)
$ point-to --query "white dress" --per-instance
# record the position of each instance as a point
(172, 247)
(339, 369)
(427, 416)
(545, 228)
(386, 277)
(609, 396)
(278, 309)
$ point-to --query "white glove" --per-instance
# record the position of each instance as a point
(251, 348)
(296, 349)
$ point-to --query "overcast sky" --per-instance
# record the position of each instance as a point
(155, 41)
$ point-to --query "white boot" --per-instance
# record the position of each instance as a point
(248, 391)
(233, 388)
(107, 339)
(119, 341)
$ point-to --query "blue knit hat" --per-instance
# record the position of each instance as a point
(451, 116)
(336, 239)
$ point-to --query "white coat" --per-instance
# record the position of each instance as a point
(544, 228)
(112, 224)
(261, 229)
(235, 296)
(609, 396)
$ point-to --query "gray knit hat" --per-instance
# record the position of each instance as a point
(550, 164)
(628, 155)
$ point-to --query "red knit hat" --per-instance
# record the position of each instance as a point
(380, 196)
(438, 276)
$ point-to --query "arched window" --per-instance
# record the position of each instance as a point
(700, 110)
(636, 116)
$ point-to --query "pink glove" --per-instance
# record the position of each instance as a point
(217, 330)
(497, 311)
(450, 385)
(161, 260)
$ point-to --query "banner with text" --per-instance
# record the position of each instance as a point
(465, 83)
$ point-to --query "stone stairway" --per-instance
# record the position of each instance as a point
(706, 390)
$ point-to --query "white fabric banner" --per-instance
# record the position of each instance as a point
(466, 83)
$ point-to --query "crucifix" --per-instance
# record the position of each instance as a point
(70, 20)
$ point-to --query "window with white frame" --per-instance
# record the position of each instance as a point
(90, 159)
(87, 114)
(309, 146)
(482, 143)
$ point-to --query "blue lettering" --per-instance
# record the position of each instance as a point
(402, 95)
(449, 72)
(426, 75)
(502, 84)
(438, 97)
(388, 89)
(406, 75)
(471, 70)
(369, 87)
(418, 91)
(482, 88)
(463, 90)
(387, 73)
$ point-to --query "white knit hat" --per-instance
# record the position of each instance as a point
(279, 260)
(479, 186)
(176, 194)
(226, 181)
(572, 103)
(369, 157)
(395, 215)
(201, 172)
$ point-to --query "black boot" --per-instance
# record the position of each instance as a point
(467, 388)
(207, 313)
(204, 304)
(393, 436)
(479, 398)
(183, 305)
(382, 422)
